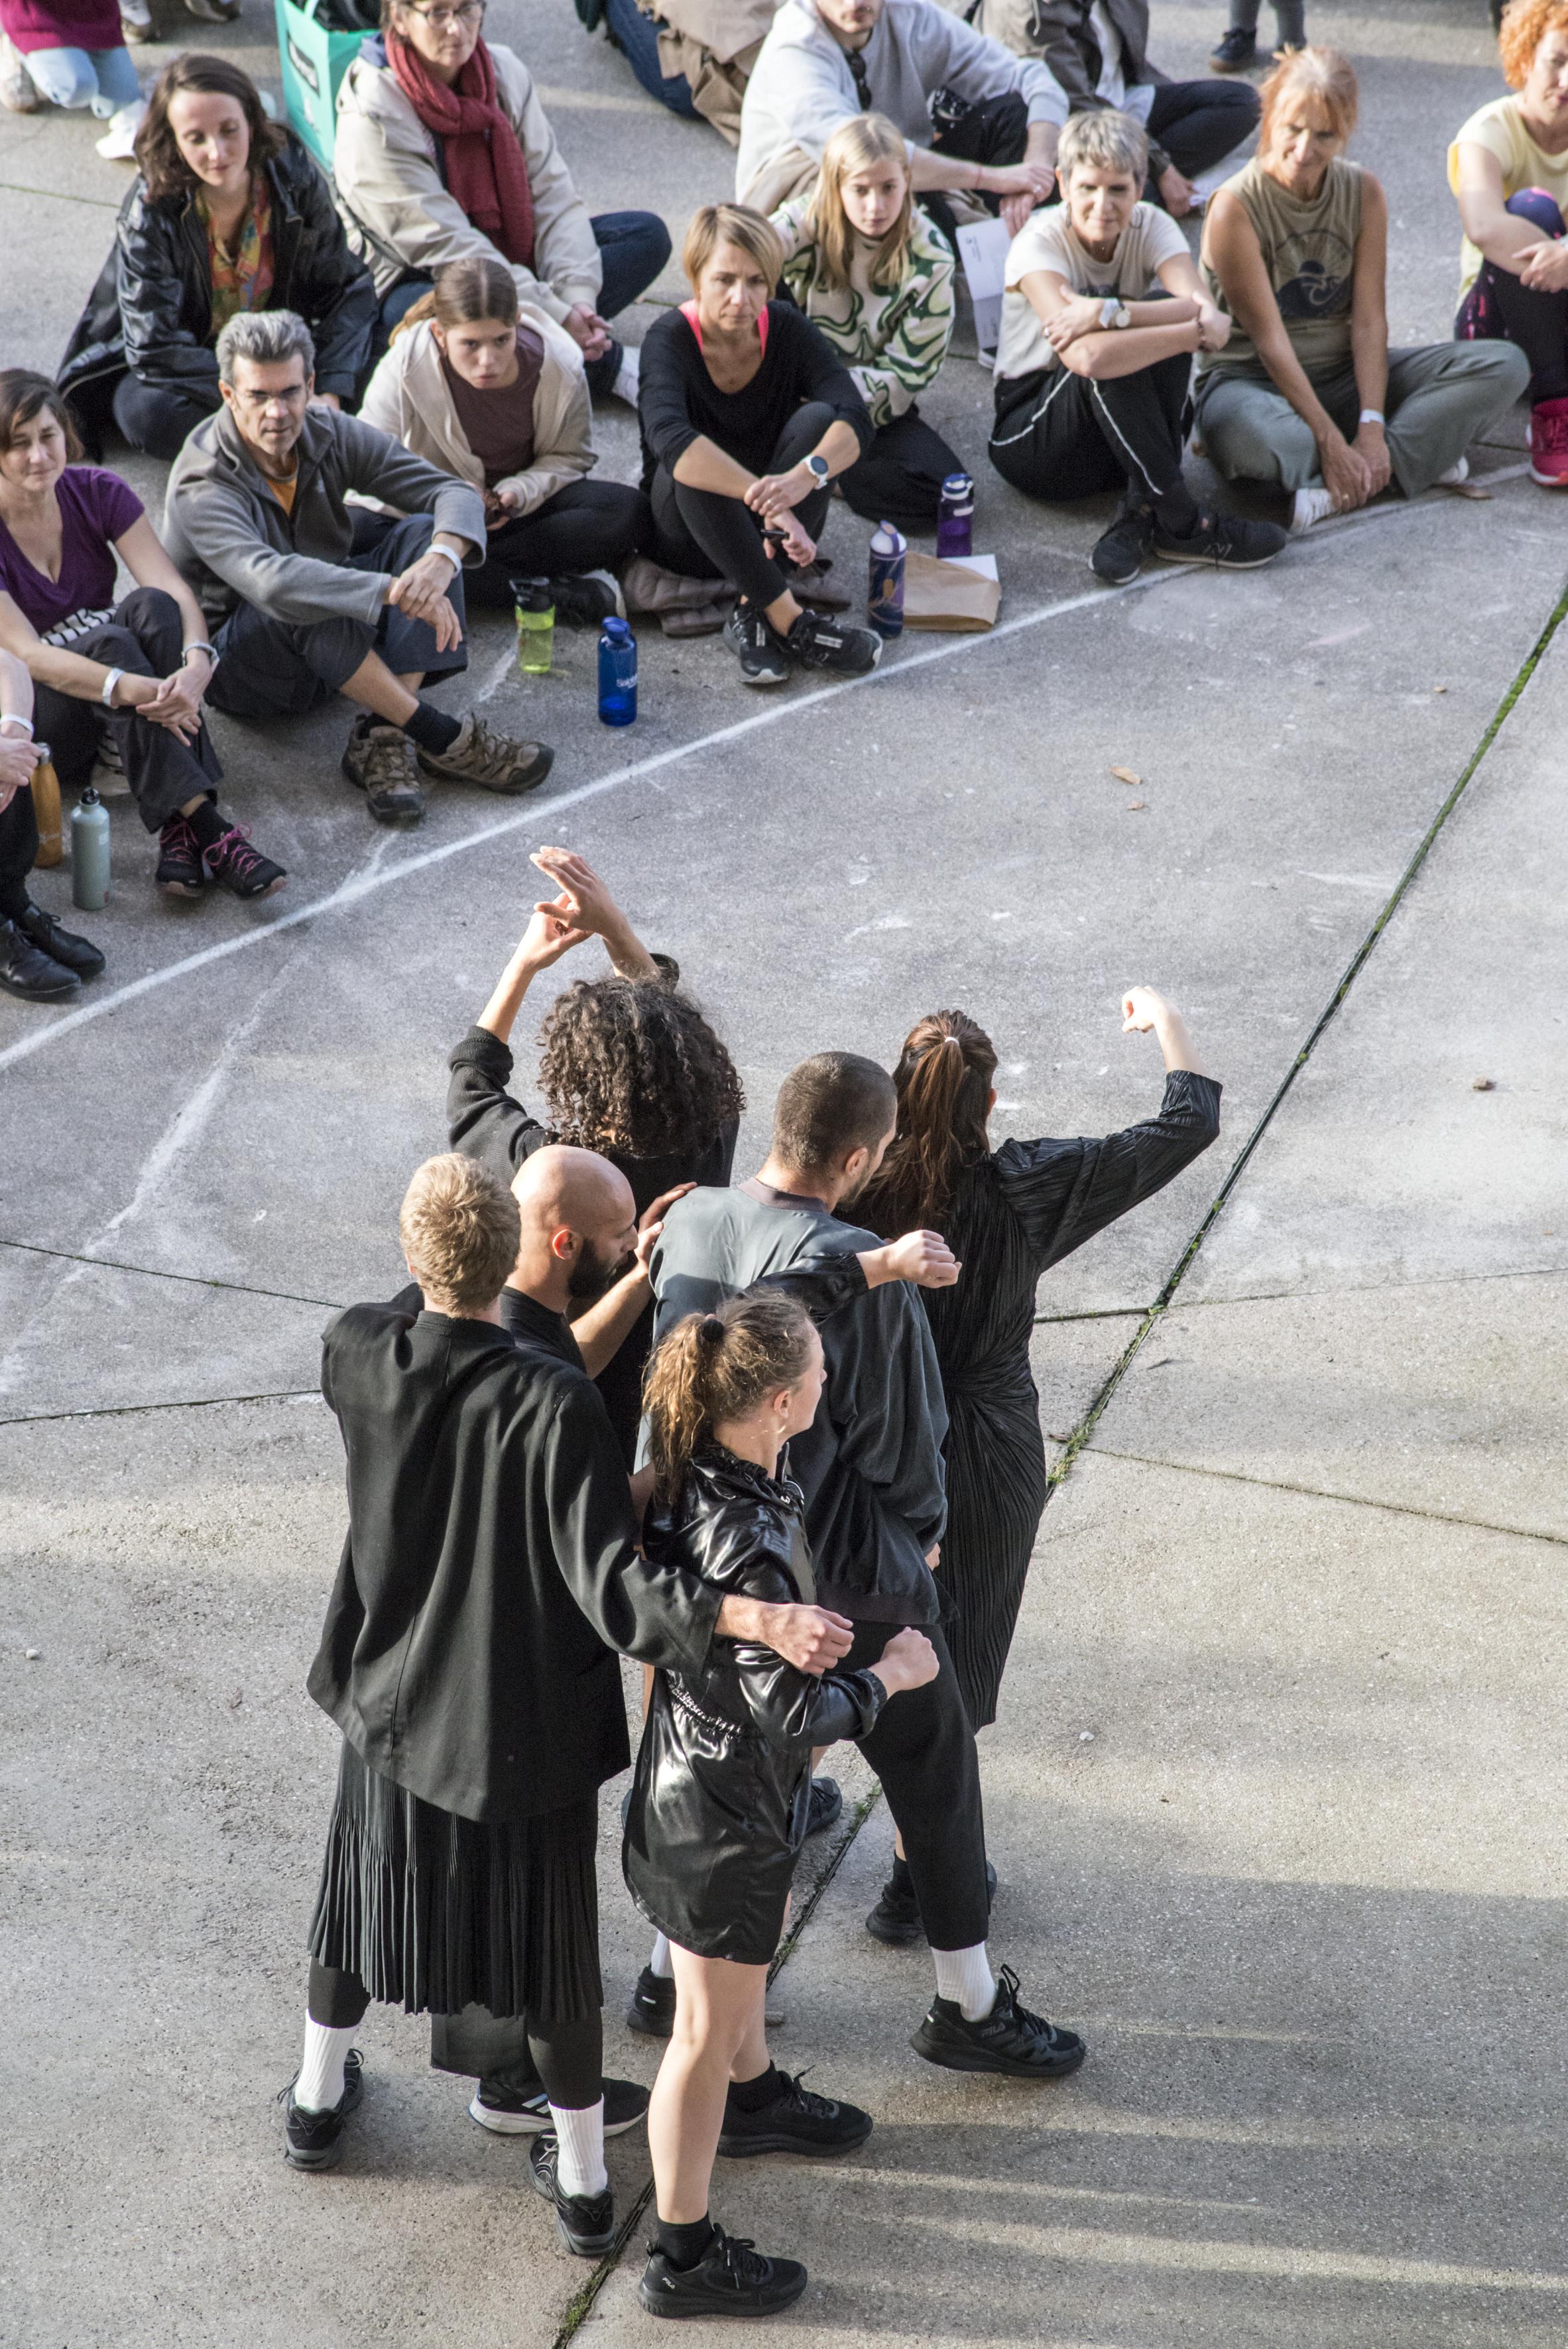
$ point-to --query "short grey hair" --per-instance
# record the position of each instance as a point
(267, 336)
(1107, 141)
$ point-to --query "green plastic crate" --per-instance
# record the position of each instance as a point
(314, 62)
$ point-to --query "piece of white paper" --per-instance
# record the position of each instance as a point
(983, 565)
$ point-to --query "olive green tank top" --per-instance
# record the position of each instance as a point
(1309, 252)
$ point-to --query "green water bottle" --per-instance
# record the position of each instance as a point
(536, 626)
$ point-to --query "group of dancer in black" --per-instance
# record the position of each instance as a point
(777, 1440)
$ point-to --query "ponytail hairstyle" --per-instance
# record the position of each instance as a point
(465, 292)
(716, 1366)
(944, 1081)
(855, 146)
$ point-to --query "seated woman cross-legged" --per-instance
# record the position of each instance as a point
(1509, 168)
(1306, 392)
(868, 268)
(1101, 315)
(499, 401)
(747, 415)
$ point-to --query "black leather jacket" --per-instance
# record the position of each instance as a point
(719, 1806)
(151, 309)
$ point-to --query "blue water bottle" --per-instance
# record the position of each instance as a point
(617, 674)
(884, 599)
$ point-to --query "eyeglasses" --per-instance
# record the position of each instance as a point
(442, 20)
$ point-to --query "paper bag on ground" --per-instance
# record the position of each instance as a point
(948, 596)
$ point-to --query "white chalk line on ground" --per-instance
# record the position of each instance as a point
(530, 816)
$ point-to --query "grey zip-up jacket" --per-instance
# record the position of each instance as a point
(230, 537)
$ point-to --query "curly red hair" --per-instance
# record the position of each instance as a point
(1525, 25)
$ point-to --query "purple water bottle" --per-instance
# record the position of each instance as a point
(955, 516)
(884, 603)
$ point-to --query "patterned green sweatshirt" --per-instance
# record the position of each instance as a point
(895, 341)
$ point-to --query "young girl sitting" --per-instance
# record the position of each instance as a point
(719, 1804)
(867, 267)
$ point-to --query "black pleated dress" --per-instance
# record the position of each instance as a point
(1013, 1214)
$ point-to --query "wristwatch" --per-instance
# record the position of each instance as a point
(820, 470)
(1114, 312)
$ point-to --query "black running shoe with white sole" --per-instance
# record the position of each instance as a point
(818, 640)
(755, 646)
(1224, 540)
(1009, 2040)
(314, 2140)
(512, 2112)
(798, 2121)
(584, 2223)
(1118, 551)
(732, 2278)
(896, 1919)
(652, 2007)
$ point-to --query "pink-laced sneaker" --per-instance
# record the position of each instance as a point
(1548, 443)
(237, 866)
(181, 871)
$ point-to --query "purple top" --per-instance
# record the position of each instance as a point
(62, 23)
(96, 508)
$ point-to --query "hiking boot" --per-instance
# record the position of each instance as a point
(30, 974)
(525, 2112)
(652, 2007)
(243, 870)
(896, 1919)
(797, 2121)
(1548, 443)
(1118, 551)
(826, 1806)
(754, 645)
(378, 760)
(818, 643)
(314, 2140)
(496, 762)
(1009, 2040)
(732, 2278)
(1223, 539)
(1235, 52)
(584, 2223)
(181, 871)
(61, 946)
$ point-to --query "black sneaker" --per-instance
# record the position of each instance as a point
(1235, 52)
(896, 1919)
(826, 1806)
(732, 2278)
(61, 946)
(235, 865)
(1224, 540)
(30, 974)
(1118, 551)
(314, 2140)
(756, 646)
(583, 600)
(797, 2121)
(585, 2222)
(181, 871)
(516, 2112)
(816, 641)
(1009, 2040)
(652, 2007)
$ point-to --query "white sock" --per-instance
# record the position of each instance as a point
(628, 374)
(965, 1976)
(579, 2137)
(1456, 473)
(319, 2086)
(659, 1964)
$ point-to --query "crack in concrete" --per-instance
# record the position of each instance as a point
(158, 1272)
(1369, 1287)
(186, 1402)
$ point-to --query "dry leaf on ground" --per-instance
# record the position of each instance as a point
(1126, 775)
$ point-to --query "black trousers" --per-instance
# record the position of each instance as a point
(155, 418)
(922, 1750)
(704, 535)
(1199, 122)
(146, 638)
(898, 479)
(1058, 435)
(18, 851)
(1499, 308)
(586, 526)
(993, 131)
(521, 2051)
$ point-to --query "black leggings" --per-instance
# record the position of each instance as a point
(922, 1750)
(1061, 435)
(19, 849)
(586, 526)
(145, 636)
(1199, 122)
(567, 2058)
(704, 535)
(898, 479)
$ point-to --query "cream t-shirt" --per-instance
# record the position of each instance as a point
(1046, 240)
(1500, 128)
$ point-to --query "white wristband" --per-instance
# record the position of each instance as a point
(455, 560)
(1372, 415)
(15, 717)
(110, 681)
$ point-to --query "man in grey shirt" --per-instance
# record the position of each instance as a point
(308, 596)
(980, 123)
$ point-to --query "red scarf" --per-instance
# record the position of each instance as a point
(486, 170)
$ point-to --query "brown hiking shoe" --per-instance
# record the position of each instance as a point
(376, 760)
(494, 761)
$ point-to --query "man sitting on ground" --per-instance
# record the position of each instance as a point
(980, 122)
(306, 597)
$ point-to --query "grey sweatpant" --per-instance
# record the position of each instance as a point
(1439, 397)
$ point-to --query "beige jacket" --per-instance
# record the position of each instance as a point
(399, 216)
(407, 398)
